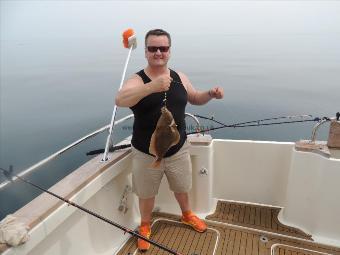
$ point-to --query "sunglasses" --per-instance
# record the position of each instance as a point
(156, 48)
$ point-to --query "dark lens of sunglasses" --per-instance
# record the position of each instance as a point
(161, 48)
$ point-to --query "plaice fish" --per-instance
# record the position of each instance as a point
(164, 137)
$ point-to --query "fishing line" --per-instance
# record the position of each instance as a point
(9, 175)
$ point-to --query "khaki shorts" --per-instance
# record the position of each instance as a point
(177, 168)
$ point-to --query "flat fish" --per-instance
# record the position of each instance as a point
(164, 137)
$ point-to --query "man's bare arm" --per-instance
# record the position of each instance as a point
(197, 97)
(134, 90)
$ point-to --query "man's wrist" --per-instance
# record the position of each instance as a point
(151, 87)
(209, 93)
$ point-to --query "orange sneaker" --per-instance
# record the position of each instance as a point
(144, 230)
(189, 218)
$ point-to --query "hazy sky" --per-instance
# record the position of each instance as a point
(24, 20)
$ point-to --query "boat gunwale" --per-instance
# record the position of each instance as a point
(41, 207)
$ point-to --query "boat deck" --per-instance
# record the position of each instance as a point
(228, 234)
(254, 216)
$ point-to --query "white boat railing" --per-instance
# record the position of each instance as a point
(56, 154)
(316, 127)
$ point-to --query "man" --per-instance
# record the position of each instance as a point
(144, 93)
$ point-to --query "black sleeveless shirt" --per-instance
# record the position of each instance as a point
(148, 110)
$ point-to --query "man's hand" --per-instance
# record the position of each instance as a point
(162, 83)
(216, 92)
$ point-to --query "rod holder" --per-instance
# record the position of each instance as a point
(316, 127)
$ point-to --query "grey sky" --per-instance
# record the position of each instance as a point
(25, 20)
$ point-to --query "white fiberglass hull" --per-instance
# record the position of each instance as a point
(271, 173)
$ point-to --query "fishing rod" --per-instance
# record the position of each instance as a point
(9, 175)
(256, 121)
(252, 125)
(223, 125)
(111, 149)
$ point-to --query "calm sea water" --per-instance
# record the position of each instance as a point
(58, 83)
